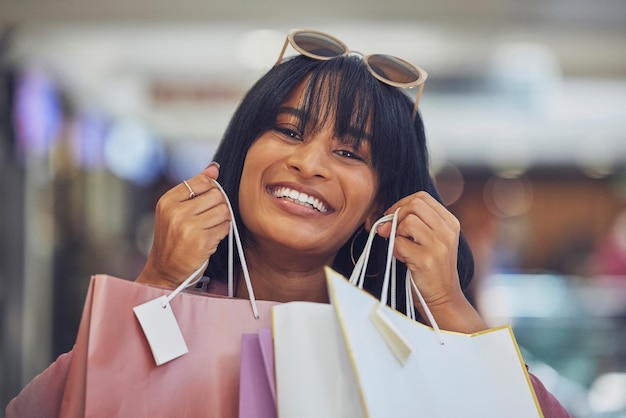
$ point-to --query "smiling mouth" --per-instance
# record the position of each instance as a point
(300, 198)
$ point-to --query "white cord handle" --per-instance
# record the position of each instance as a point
(234, 232)
(357, 277)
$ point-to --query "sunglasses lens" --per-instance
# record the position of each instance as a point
(393, 69)
(318, 45)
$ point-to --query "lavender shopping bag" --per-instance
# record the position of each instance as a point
(257, 391)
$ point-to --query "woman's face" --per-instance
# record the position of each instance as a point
(305, 191)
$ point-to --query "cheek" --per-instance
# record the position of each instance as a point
(247, 199)
(255, 165)
(246, 186)
(260, 155)
(364, 189)
(252, 163)
(369, 185)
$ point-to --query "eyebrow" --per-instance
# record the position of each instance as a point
(292, 111)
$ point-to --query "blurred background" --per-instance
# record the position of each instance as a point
(106, 105)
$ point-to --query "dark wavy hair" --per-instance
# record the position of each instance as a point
(343, 89)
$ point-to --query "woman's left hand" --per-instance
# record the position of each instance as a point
(427, 240)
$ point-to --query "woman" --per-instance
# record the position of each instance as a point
(282, 126)
(318, 150)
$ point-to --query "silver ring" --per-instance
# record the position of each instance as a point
(192, 194)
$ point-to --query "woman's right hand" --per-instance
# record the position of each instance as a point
(187, 230)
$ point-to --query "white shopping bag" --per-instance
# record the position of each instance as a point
(314, 377)
(405, 368)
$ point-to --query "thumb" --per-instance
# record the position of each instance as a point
(212, 171)
(384, 229)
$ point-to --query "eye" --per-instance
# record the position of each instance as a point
(289, 132)
(349, 154)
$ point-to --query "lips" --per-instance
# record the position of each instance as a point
(301, 198)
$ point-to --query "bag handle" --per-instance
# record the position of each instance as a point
(233, 232)
(357, 277)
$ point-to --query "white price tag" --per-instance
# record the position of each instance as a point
(161, 329)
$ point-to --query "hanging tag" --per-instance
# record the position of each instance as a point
(161, 329)
(399, 346)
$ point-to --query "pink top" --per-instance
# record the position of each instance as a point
(43, 395)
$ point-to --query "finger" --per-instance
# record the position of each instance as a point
(441, 210)
(205, 234)
(199, 184)
(414, 202)
(422, 204)
(427, 227)
(427, 211)
(216, 233)
(216, 215)
(192, 194)
(205, 202)
(416, 230)
(212, 170)
(404, 248)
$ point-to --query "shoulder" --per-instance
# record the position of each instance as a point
(550, 406)
(43, 395)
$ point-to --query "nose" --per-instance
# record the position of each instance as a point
(311, 158)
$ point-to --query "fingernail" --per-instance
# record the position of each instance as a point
(214, 164)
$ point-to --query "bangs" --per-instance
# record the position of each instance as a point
(341, 91)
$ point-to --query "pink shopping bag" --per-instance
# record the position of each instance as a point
(113, 372)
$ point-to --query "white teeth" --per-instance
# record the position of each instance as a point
(302, 198)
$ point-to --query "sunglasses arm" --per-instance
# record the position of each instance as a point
(420, 90)
(282, 53)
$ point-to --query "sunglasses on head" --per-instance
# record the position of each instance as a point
(386, 68)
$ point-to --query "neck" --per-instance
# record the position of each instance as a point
(284, 278)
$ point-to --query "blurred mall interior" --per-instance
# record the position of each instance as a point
(104, 107)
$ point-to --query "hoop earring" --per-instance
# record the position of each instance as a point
(361, 230)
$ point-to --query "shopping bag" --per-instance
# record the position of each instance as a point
(314, 377)
(123, 367)
(257, 391)
(113, 372)
(405, 368)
